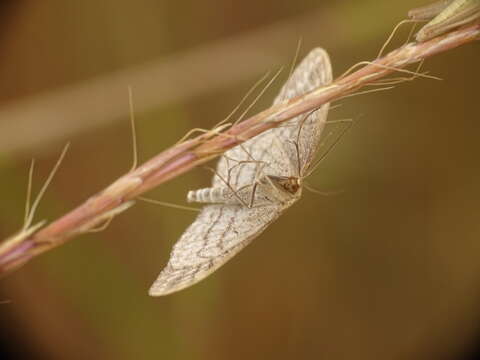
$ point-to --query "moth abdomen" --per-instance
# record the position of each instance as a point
(208, 195)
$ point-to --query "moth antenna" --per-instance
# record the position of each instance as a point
(339, 121)
(295, 143)
(167, 204)
(134, 131)
(302, 122)
(319, 192)
(329, 149)
(44, 188)
(297, 152)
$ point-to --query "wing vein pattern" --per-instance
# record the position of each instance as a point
(221, 230)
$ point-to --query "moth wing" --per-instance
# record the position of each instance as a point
(274, 149)
(218, 233)
(221, 231)
(305, 130)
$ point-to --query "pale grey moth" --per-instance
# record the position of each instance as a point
(254, 184)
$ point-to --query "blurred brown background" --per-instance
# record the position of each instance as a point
(388, 269)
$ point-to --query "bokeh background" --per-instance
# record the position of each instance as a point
(387, 269)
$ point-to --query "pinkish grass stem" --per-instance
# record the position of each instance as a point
(183, 157)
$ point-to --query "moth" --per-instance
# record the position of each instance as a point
(445, 16)
(254, 184)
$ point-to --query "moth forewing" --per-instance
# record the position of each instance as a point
(265, 169)
(447, 15)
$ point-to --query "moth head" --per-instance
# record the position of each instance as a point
(290, 184)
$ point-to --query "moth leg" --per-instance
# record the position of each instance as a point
(252, 197)
(243, 162)
(226, 194)
(258, 175)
